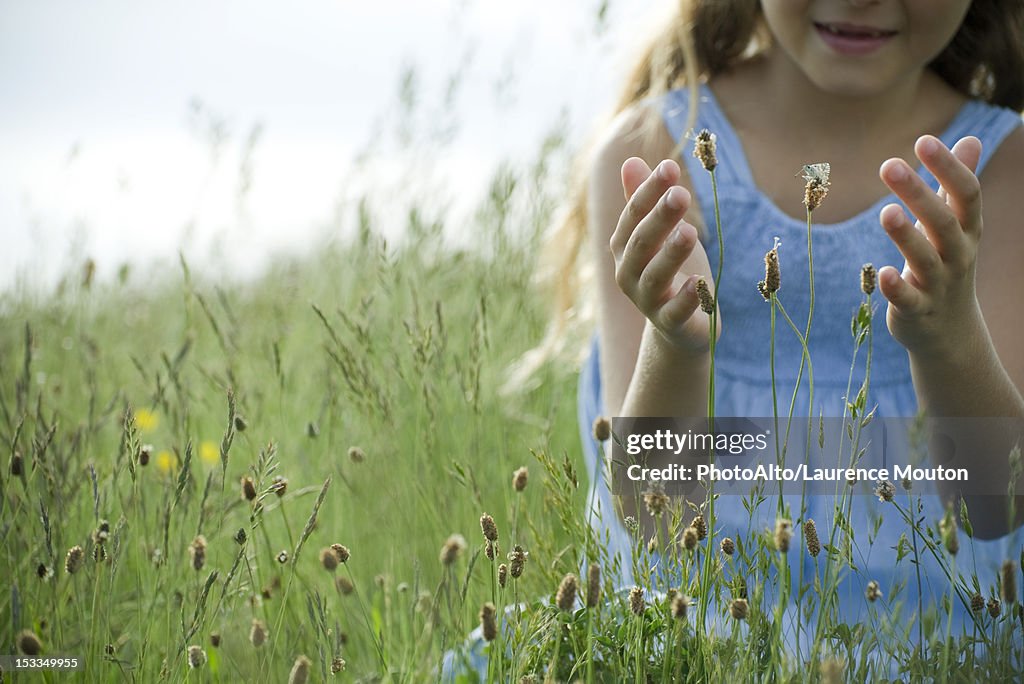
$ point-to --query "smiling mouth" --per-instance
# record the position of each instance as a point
(853, 31)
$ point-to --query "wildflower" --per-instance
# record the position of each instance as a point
(17, 464)
(490, 550)
(783, 533)
(488, 527)
(811, 537)
(704, 149)
(279, 485)
(873, 592)
(248, 488)
(977, 603)
(517, 561)
(701, 526)
(593, 585)
(453, 546)
(656, 499)
(328, 559)
(502, 575)
(728, 546)
(102, 533)
(145, 453)
(166, 462)
(209, 453)
(602, 429)
(817, 184)
(215, 639)
(300, 670)
(258, 633)
(73, 561)
(146, 421)
(341, 552)
(240, 536)
(739, 609)
(282, 557)
(519, 479)
(197, 551)
(566, 596)
(344, 585)
(631, 524)
(690, 538)
(868, 278)
(44, 572)
(636, 601)
(356, 455)
(772, 277)
(885, 490)
(707, 302)
(1008, 582)
(240, 423)
(994, 609)
(488, 623)
(29, 643)
(679, 606)
(337, 665)
(99, 553)
(196, 657)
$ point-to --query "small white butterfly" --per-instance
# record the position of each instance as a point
(816, 172)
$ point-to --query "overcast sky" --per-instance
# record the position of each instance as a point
(124, 125)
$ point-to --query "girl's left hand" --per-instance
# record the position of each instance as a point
(932, 300)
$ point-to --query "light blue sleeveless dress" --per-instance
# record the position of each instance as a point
(750, 222)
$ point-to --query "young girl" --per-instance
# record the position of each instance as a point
(869, 86)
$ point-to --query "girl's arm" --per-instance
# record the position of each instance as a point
(964, 364)
(654, 341)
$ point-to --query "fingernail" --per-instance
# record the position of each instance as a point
(662, 170)
(898, 172)
(673, 198)
(928, 145)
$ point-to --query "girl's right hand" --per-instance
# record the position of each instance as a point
(651, 244)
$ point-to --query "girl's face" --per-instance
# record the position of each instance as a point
(862, 47)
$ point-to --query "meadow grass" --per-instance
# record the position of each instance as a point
(314, 475)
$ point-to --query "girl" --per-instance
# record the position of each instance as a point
(865, 85)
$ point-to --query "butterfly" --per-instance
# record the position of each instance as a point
(816, 172)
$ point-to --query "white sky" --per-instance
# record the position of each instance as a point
(103, 153)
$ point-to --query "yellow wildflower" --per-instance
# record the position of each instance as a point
(166, 462)
(209, 452)
(146, 421)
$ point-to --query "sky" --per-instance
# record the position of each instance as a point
(234, 131)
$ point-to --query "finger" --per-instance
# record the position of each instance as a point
(649, 235)
(657, 276)
(954, 169)
(941, 225)
(920, 254)
(679, 309)
(905, 297)
(643, 189)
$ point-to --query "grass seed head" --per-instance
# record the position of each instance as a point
(566, 596)
(488, 622)
(29, 643)
(99, 553)
(1008, 582)
(690, 538)
(811, 537)
(282, 557)
(215, 639)
(44, 572)
(868, 278)
(602, 429)
(950, 534)
(502, 575)
(240, 536)
(977, 603)
(196, 657)
(817, 184)
(337, 665)
(783, 534)
(452, 549)
(197, 552)
(728, 546)
(341, 552)
(739, 609)
(488, 527)
(240, 423)
(258, 633)
(994, 609)
(873, 592)
(679, 606)
(701, 526)
(248, 488)
(328, 559)
(300, 670)
(705, 148)
(17, 464)
(145, 453)
(356, 455)
(707, 301)
(631, 524)
(593, 585)
(832, 671)
(772, 275)
(344, 585)
(279, 485)
(520, 478)
(73, 561)
(517, 561)
(636, 601)
(656, 500)
(885, 491)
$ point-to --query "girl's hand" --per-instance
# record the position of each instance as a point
(651, 243)
(932, 303)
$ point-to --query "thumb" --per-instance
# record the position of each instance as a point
(634, 172)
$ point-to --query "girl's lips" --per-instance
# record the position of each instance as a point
(852, 39)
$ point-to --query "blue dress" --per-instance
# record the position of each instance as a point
(750, 222)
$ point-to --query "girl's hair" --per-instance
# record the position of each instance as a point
(984, 60)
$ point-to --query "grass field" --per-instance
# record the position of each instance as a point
(367, 377)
